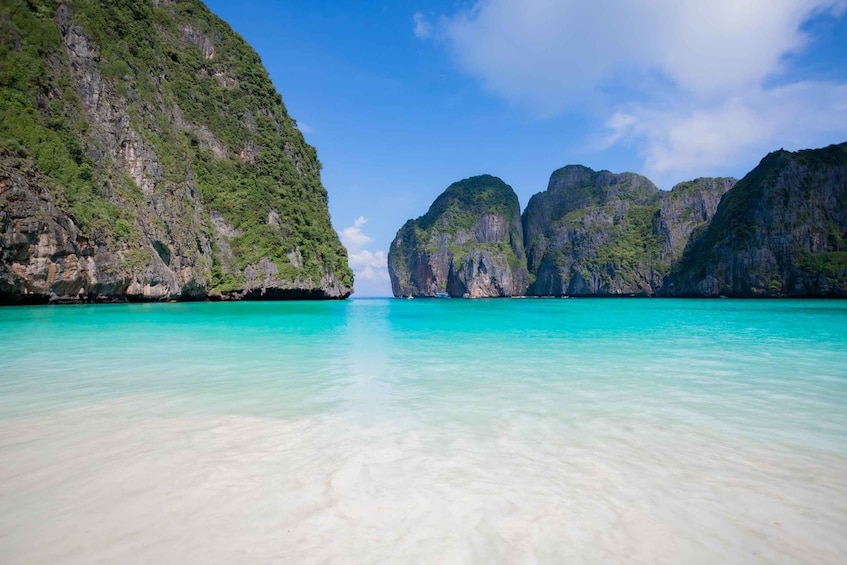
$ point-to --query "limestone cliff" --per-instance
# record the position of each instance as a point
(469, 242)
(781, 231)
(145, 155)
(686, 209)
(604, 234)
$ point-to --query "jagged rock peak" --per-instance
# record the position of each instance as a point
(468, 243)
(586, 186)
(597, 233)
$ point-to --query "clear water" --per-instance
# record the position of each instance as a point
(513, 431)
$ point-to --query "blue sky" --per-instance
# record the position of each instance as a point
(402, 98)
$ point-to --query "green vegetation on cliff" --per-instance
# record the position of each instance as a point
(43, 121)
(192, 107)
(782, 230)
(469, 241)
(593, 232)
(635, 246)
(460, 206)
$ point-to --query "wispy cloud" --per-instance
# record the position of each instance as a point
(679, 79)
(370, 267)
(423, 28)
(688, 140)
(353, 237)
(544, 53)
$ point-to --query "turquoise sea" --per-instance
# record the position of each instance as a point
(439, 431)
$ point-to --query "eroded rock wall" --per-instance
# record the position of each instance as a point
(469, 243)
(782, 231)
(141, 164)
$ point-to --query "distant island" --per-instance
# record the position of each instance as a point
(146, 155)
(781, 231)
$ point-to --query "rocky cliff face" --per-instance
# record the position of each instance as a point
(603, 234)
(782, 231)
(574, 231)
(147, 156)
(469, 242)
(687, 208)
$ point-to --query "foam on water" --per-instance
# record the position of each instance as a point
(549, 431)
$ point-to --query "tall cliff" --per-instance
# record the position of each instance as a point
(603, 234)
(146, 155)
(469, 242)
(782, 231)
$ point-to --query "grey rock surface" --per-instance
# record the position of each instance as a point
(469, 243)
(782, 231)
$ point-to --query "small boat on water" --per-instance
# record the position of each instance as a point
(441, 295)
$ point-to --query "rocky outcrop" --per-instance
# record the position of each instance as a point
(468, 243)
(603, 234)
(590, 234)
(578, 236)
(147, 156)
(781, 231)
(687, 208)
(44, 254)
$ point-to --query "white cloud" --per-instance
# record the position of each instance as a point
(545, 54)
(686, 81)
(353, 237)
(690, 141)
(370, 267)
(423, 29)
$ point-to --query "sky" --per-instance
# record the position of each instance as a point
(402, 98)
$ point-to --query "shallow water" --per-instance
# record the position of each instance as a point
(514, 431)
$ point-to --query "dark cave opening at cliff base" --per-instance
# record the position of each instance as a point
(285, 294)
